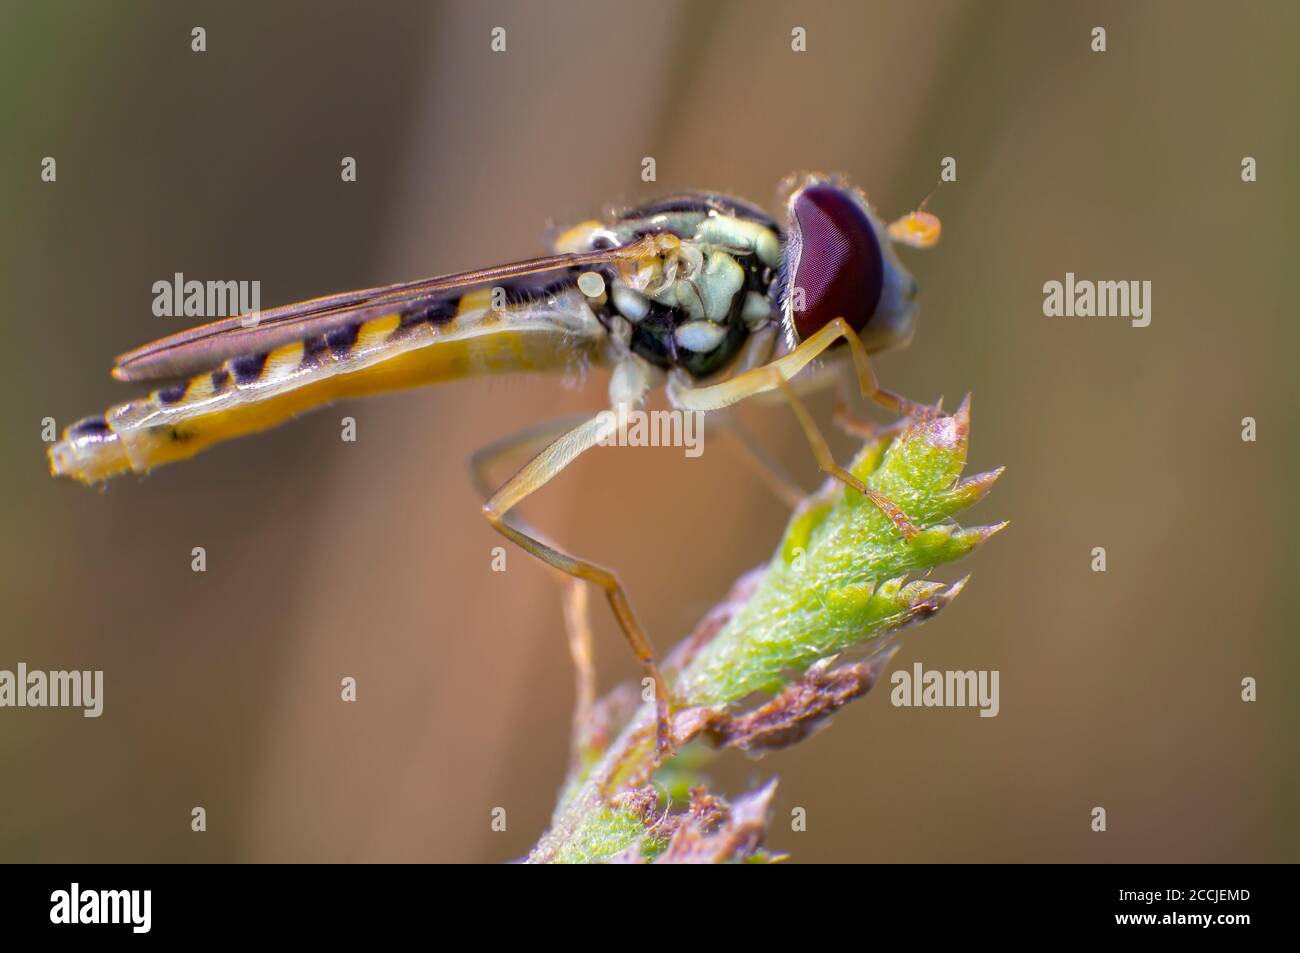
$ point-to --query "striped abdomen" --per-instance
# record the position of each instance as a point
(431, 343)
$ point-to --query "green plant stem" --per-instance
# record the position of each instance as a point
(838, 582)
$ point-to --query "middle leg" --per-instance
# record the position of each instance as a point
(536, 474)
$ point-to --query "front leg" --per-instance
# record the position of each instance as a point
(767, 377)
(776, 376)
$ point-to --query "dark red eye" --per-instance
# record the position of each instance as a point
(835, 260)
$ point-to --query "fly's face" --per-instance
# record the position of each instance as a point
(839, 261)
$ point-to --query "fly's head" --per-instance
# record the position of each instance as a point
(839, 261)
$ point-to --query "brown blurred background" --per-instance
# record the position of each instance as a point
(328, 559)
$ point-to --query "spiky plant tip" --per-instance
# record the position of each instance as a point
(842, 581)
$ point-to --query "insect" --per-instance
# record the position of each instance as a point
(704, 294)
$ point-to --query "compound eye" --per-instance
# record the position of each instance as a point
(834, 260)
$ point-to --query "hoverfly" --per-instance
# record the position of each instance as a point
(703, 293)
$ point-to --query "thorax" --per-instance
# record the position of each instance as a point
(706, 289)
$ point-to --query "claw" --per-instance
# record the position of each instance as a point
(924, 413)
(892, 511)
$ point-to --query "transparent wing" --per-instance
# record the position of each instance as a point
(206, 346)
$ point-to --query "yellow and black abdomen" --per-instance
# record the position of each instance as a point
(254, 392)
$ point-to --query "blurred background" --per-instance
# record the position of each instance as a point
(371, 559)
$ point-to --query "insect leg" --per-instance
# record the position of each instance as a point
(577, 623)
(826, 461)
(777, 374)
(766, 378)
(577, 626)
(761, 462)
(516, 449)
(536, 474)
(843, 417)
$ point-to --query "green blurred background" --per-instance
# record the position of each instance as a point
(370, 559)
